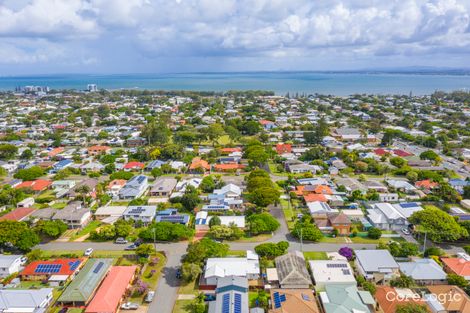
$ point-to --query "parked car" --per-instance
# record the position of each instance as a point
(405, 231)
(130, 247)
(138, 242)
(178, 273)
(88, 252)
(121, 240)
(149, 297)
(129, 306)
(209, 297)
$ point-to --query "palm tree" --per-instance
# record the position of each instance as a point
(83, 190)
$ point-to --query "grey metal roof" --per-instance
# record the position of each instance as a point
(423, 269)
(374, 260)
(291, 270)
(11, 299)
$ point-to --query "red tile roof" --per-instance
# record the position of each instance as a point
(55, 152)
(117, 182)
(230, 150)
(458, 265)
(402, 153)
(380, 151)
(35, 185)
(283, 148)
(229, 166)
(322, 189)
(68, 267)
(111, 291)
(387, 298)
(426, 184)
(315, 197)
(266, 122)
(199, 163)
(98, 148)
(133, 165)
(17, 214)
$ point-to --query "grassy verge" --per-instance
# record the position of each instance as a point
(259, 238)
(315, 255)
(288, 213)
(182, 306)
(237, 253)
(86, 230)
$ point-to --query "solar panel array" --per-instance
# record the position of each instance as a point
(137, 210)
(238, 303)
(226, 303)
(48, 268)
(305, 297)
(408, 205)
(335, 265)
(98, 267)
(346, 272)
(278, 299)
(74, 264)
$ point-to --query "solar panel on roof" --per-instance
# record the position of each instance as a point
(335, 265)
(282, 297)
(305, 297)
(98, 267)
(408, 205)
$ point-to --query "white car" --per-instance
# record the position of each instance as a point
(129, 306)
(405, 231)
(149, 297)
(88, 252)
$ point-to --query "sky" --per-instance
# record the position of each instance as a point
(162, 36)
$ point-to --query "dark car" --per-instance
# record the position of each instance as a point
(130, 247)
(138, 242)
(178, 273)
(209, 297)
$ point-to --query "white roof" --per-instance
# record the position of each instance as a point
(7, 260)
(375, 260)
(329, 271)
(316, 207)
(238, 220)
(230, 188)
(271, 274)
(222, 267)
(113, 210)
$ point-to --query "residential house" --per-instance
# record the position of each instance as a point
(163, 187)
(331, 272)
(347, 134)
(74, 214)
(18, 214)
(133, 166)
(10, 264)
(229, 191)
(115, 186)
(44, 270)
(37, 185)
(98, 150)
(389, 298)
(203, 220)
(114, 287)
(134, 142)
(90, 184)
(401, 185)
(293, 301)
(392, 216)
(154, 164)
(83, 287)
(199, 165)
(346, 298)
(267, 125)
(282, 148)
(61, 165)
(25, 300)
(216, 268)
(426, 185)
(231, 295)
(424, 271)
(459, 303)
(172, 216)
(459, 265)
(292, 271)
(388, 197)
(298, 167)
(229, 167)
(26, 203)
(110, 214)
(142, 213)
(338, 221)
(376, 265)
(134, 188)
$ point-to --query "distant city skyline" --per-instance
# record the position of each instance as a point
(175, 36)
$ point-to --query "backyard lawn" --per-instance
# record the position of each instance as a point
(315, 255)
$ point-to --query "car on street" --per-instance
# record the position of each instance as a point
(406, 231)
(130, 247)
(129, 306)
(121, 240)
(149, 297)
(88, 252)
(178, 273)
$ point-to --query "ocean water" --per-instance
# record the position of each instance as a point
(333, 83)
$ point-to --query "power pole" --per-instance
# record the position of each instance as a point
(301, 242)
(425, 237)
(154, 240)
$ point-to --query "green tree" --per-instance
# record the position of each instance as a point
(439, 225)
(374, 233)
(27, 154)
(402, 281)
(411, 308)
(307, 231)
(190, 271)
(262, 223)
(199, 251)
(29, 173)
(457, 280)
(156, 132)
(18, 234)
(215, 220)
(52, 229)
(370, 287)
(272, 250)
(264, 196)
(7, 151)
(144, 250)
(123, 228)
(214, 132)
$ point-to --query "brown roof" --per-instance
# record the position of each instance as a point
(297, 300)
(388, 300)
(340, 218)
(459, 304)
